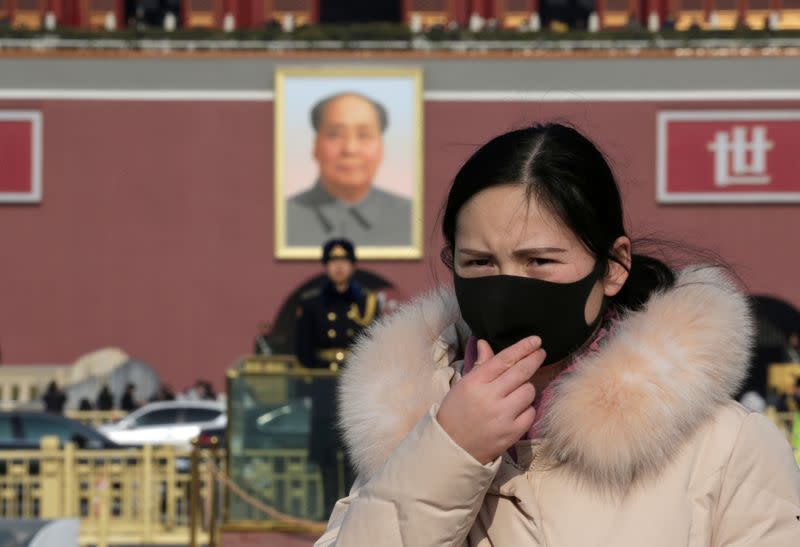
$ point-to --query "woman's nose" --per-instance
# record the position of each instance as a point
(511, 268)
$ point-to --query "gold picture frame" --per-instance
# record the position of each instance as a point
(399, 93)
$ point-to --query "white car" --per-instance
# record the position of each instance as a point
(168, 422)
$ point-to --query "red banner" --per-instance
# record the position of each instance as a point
(737, 156)
(20, 156)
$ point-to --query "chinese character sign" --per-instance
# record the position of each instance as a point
(746, 156)
(20, 156)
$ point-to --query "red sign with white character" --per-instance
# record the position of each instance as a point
(739, 156)
(20, 156)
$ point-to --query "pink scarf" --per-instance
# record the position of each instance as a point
(543, 403)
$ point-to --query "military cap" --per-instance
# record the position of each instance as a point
(338, 248)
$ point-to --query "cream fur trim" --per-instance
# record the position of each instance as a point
(622, 413)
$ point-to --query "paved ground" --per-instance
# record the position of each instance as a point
(240, 539)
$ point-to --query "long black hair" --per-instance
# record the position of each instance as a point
(570, 177)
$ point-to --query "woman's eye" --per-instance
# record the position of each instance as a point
(479, 262)
(539, 261)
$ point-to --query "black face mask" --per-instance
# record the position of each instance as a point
(504, 309)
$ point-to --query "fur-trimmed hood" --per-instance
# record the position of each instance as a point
(622, 413)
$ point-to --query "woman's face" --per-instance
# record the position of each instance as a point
(499, 231)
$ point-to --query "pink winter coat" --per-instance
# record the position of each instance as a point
(641, 446)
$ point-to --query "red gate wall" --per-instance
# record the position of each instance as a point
(155, 230)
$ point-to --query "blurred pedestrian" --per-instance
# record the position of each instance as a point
(128, 402)
(164, 393)
(54, 399)
(105, 400)
(191, 393)
(85, 405)
(205, 391)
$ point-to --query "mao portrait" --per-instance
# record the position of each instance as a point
(348, 161)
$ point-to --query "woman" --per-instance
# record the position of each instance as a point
(569, 393)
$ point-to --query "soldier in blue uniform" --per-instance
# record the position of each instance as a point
(329, 318)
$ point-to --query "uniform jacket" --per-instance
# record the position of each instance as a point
(642, 444)
(328, 320)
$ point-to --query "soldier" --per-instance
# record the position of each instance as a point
(329, 319)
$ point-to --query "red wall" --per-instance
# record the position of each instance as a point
(155, 231)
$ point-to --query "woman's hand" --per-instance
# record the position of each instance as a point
(492, 406)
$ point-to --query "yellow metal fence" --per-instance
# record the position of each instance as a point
(127, 496)
(161, 495)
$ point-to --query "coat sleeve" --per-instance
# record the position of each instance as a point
(760, 494)
(427, 494)
(304, 336)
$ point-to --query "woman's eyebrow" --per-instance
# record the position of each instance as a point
(539, 250)
(474, 252)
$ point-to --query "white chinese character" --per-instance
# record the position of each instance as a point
(730, 156)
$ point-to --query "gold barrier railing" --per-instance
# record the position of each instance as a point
(221, 488)
(128, 496)
(159, 495)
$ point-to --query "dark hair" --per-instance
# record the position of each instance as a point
(318, 110)
(570, 177)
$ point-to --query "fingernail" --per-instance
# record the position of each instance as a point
(535, 341)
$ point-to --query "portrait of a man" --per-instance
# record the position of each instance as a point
(360, 177)
(348, 149)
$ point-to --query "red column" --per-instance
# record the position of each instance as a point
(460, 12)
(219, 13)
(489, 9)
(499, 12)
(63, 12)
(258, 14)
(244, 19)
(315, 11)
(120, 11)
(634, 9)
(248, 14)
(185, 11)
